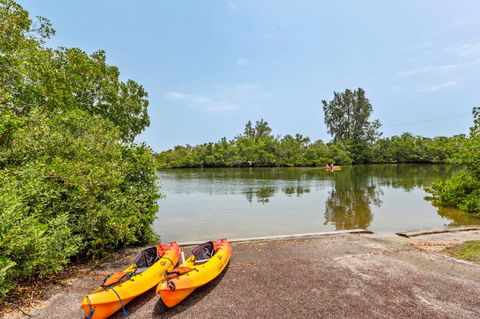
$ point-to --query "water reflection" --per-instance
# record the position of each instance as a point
(349, 204)
(457, 217)
(405, 176)
(267, 201)
(296, 190)
(262, 194)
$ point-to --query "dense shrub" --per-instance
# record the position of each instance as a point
(68, 186)
(462, 191)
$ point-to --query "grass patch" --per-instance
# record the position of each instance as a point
(469, 250)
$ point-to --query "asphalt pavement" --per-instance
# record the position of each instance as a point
(335, 276)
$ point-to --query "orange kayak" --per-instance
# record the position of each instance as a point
(182, 281)
(120, 288)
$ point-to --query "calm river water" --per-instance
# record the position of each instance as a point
(202, 204)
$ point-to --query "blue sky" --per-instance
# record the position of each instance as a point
(210, 66)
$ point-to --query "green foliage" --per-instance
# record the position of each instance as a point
(469, 154)
(72, 183)
(5, 283)
(475, 129)
(463, 191)
(347, 117)
(256, 148)
(64, 78)
(408, 148)
(68, 187)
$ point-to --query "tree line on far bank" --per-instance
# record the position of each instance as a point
(289, 151)
(355, 140)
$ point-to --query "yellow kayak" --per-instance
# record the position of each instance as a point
(207, 262)
(120, 288)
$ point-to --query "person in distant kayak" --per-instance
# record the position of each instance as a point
(332, 166)
(327, 166)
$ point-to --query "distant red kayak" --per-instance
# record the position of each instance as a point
(335, 168)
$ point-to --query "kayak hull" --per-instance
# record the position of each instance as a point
(173, 291)
(173, 298)
(104, 310)
(104, 302)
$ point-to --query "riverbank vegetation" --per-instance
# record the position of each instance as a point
(72, 182)
(463, 190)
(265, 149)
(355, 140)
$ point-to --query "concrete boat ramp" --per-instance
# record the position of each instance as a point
(332, 275)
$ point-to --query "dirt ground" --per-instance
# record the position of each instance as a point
(335, 276)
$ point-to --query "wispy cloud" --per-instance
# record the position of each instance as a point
(175, 95)
(429, 87)
(453, 59)
(467, 49)
(222, 98)
(243, 62)
(433, 69)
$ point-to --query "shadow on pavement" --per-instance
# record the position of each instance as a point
(162, 311)
(137, 304)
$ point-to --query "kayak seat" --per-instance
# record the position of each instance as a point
(146, 257)
(144, 260)
(203, 252)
